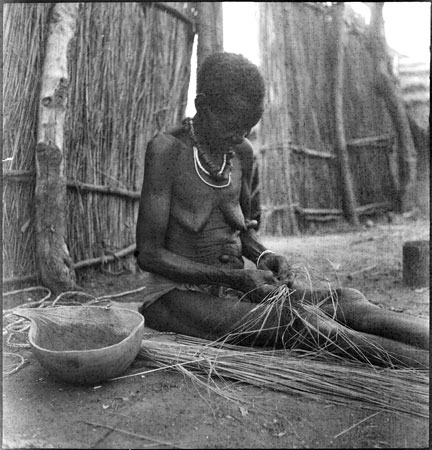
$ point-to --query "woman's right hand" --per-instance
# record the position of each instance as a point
(257, 284)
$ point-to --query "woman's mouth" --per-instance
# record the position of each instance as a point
(236, 140)
(232, 140)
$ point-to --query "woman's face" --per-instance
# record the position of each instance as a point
(229, 122)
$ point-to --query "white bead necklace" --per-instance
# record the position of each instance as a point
(204, 169)
(197, 164)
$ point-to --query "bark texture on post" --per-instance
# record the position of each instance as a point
(341, 145)
(209, 29)
(389, 90)
(53, 259)
(415, 265)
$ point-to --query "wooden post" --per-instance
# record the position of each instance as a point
(209, 29)
(53, 259)
(341, 145)
(388, 89)
(415, 265)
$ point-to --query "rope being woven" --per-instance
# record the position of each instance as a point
(15, 366)
(15, 327)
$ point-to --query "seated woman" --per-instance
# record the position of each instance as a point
(194, 229)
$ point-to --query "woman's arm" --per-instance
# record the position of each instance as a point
(153, 220)
(252, 249)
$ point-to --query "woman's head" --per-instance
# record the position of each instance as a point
(230, 91)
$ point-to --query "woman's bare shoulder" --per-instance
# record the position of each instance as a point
(245, 153)
(165, 143)
(245, 150)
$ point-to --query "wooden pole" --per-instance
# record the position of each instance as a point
(415, 263)
(209, 29)
(341, 144)
(53, 259)
(388, 89)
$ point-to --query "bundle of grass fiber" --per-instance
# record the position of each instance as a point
(297, 373)
(318, 372)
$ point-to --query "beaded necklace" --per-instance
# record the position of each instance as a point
(211, 170)
(197, 163)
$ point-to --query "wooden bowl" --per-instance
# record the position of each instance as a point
(84, 344)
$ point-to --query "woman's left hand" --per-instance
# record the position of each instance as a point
(280, 267)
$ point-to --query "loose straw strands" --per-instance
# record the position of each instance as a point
(403, 391)
(301, 324)
(330, 367)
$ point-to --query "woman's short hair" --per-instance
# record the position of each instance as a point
(225, 75)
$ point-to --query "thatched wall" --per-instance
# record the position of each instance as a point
(23, 52)
(415, 84)
(129, 71)
(130, 76)
(299, 170)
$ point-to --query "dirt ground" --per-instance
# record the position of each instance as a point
(165, 410)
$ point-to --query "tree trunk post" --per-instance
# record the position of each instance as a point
(415, 264)
(53, 260)
(389, 90)
(209, 29)
(341, 145)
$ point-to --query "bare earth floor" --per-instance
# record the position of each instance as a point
(165, 410)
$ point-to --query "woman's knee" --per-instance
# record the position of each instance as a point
(157, 315)
(350, 295)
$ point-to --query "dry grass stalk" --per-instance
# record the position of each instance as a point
(321, 372)
(318, 332)
(300, 374)
(136, 435)
(313, 375)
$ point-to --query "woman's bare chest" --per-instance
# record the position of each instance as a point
(194, 196)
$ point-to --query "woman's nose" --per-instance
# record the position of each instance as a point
(237, 139)
(238, 136)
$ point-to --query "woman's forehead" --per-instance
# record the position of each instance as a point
(239, 103)
(239, 106)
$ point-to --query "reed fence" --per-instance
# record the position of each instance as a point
(129, 71)
(24, 38)
(298, 167)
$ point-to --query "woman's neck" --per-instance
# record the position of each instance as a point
(202, 137)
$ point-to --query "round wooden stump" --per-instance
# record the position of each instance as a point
(416, 263)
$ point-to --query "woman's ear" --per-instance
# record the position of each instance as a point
(200, 102)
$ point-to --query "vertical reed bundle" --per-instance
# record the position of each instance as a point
(24, 37)
(130, 74)
(297, 63)
(367, 115)
(298, 110)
